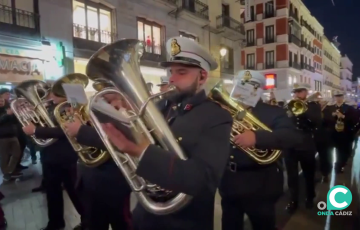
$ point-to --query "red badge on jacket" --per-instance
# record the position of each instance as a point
(188, 107)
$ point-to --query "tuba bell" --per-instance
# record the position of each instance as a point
(243, 120)
(28, 107)
(90, 156)
(119, 64)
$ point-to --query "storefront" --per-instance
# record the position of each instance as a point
(21, 64)
(151, 75)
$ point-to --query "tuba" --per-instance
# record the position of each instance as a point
(90, 156)
(243, 120)
(29, 107)
(119, 64)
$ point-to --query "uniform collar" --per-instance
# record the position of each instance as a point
(190, 102)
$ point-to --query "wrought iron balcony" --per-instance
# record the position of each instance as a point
(295, 65)
(19, 22)
(93, 34)
(269, 65)
(307, 67)
(293, 15)
(269, 14)
(269, 40)
(250, 43)
(295, 40)
(250, 67)
(230, 27)
(196, 7)
(154, 53)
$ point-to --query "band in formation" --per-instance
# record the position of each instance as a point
(175, 149)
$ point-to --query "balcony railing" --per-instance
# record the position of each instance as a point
(295, 40)
(93, 34)
(269, 65)
(269, 14)
(250, 67)
(295, 65)
(307, 67)
(226, 21)
(269, 40)
(154, 53)
(293, 15)
(196, 7)
(18, 17)
(250, 43)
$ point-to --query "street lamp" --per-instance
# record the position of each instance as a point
(223, 52)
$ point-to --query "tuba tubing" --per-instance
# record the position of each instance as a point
(119, 63)
(26, 92)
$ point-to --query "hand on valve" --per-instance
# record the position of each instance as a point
(72, 128)
(118, 139)
(29, 129)
(246, 139)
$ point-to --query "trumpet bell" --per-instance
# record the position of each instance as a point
(74, 78)
(297, 107)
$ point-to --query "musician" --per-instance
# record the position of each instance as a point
(164, 84)
(247, 186)
(342, 139)
(202, 129)
(322, 139)
(306, 122)
(105, 192)
(59, 167)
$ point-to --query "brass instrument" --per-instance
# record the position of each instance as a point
(339, 125)
(90, 156)
(273, 101)
(28, 107)
(119, 64)
(299, 107)
(243, 120)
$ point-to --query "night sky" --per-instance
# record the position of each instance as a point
(341, 20)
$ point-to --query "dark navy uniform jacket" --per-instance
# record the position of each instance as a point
(350, 121)
(245, 177)
(61, 151)
(202, 129)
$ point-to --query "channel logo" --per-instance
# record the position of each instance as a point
(338, 198)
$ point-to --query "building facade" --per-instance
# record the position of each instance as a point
(78, 28)
(331, 68)
(346, 75)
(283, 41)
(24, 53)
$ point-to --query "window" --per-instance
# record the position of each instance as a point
(150, 33)
(269, 59)
(92, 21)
(186, 35)
(250, 37)
(24, 12)
(269, 33)
(318, 85)
(250, 61)
(269, 9)
(290, 57)
(227, 62)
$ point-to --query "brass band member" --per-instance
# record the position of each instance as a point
(59, 168)
(202, 129)
(322, 140)
(249, 187)
(306, 122)
(341, 119)
(105, 192)
(164, 84)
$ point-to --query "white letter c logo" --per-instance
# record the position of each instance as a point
(332, 198)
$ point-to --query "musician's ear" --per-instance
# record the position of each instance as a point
(203, 77)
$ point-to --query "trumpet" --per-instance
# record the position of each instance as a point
(299, 107)
(29, 107)
(90, 156)
(339, 125)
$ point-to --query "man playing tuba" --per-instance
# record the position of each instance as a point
(202, 129)
(252, 187)
(307, 118)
